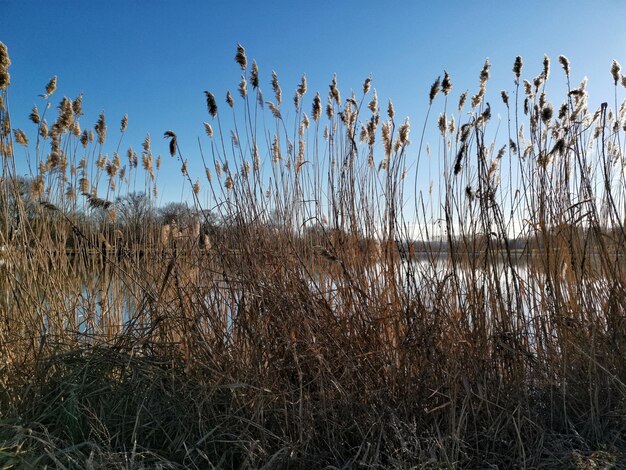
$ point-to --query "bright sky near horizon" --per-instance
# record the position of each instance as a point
(154, 59)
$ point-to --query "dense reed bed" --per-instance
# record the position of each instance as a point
(316, 307)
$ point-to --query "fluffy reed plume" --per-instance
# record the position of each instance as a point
(254, 75)
(211, 103)
(434, 90)
(5, 62)
(546, 67)
(274, 110)
(66, 115)
(101, 129)
(240, 57)
(146, 145)
(330, 110)
(484, 73)
(462, 100)
(373, 104)
(229, 100)
(390, 110)
(51, 86)
(124, 123)
(131, 155)
(208, 130)
(302, 87)
(316, 112)
(403, 133)
(172, 143)
(34, 115)
(366, 85)
(517, 68)
(505, 98)
(20, 137)
(334, 90)
(278, 93)
(228, 183)
(443, 127)
(564, 61)
(243, 87)
(234, 138)
(446, 83)
(77, 105)
(96, 202)
(615, 71)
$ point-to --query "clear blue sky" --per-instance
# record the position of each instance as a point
(154, 59)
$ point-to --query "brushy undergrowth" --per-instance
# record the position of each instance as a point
(316, 308)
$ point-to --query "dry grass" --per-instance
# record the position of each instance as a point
(306, 335)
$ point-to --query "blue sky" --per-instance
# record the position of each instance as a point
(153, 59)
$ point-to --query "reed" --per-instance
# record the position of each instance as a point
(318, 312)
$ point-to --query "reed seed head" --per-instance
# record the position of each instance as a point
(317, 107)
(462, 100)
(278, 93)
(446, 84)
(20, 137)
(505, 98)
(442, 124)
(66, 115)
(5, 62)
(229, 99)
(434, 90)
(546, 67)
(228, 183)
(51, 86)
(172, 145)
(211, 103)
(366, 85)
(208, 129)
(404, 131)
(243, 87)
(77, 105)
(373, 105)
(274, 110)
(517, 68)
(615, 71)
(484, 73)
(330, 110)
(84, 138)
(101, 129)
(240, 57)
(254, 75)
(34, 115)
(334, 91)
(303, 86)
(124, 123)
(564, 61)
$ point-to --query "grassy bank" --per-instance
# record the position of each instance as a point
(280, 325)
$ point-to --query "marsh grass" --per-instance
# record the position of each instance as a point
(307, 332)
